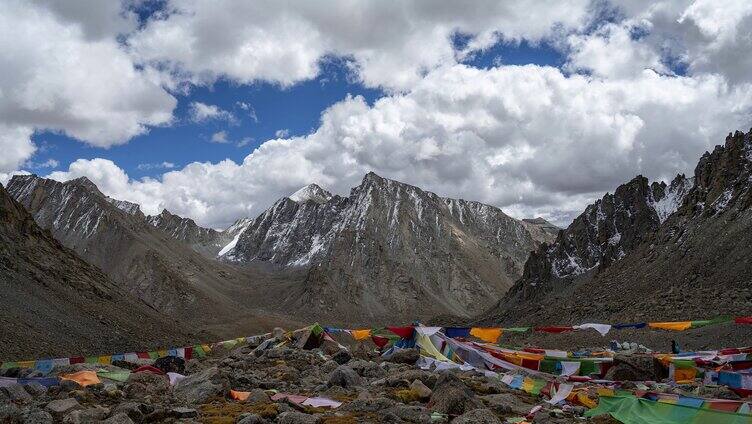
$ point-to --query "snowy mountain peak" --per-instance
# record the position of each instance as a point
(311, 192)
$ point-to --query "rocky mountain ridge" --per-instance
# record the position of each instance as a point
(52, 302)
(151, 264)
(689, 240)
(388, 244)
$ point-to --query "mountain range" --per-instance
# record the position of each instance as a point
(388, 252)
(649, 251)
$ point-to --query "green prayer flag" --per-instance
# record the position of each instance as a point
(316, 329)
(516, 329)
(548, 366)
(589, 367)
(199, 351)
(114, 375)
(633, 410)
(7, 365)
(92, 359)
(154, 355)
(537, 386)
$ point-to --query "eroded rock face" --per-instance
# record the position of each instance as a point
(387, 244)
(635, 253)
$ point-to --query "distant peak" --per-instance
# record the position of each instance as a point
(86, 183)
(311, 192)
(372, 177)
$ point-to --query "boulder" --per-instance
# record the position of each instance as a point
(199, 387)
(407, 414)
(119, 418)
(134, 410)
(60, 407)
(367, 369)
(17, 393)
(251, 419)
(141, 384)
(477, 416)
(405, 356)
(85, 416)
(420, 389)
(342, 357)
(9, 413)
(182, 412)
(35, 416)
(292, 417)
(35, 389)
(636, 368)
(451, 396)
(344, 376)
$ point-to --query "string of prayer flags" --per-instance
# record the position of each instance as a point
(635, 325)
(516, 329)
(380, 341)
(360, 334)
(403, 332)
(673, 326)
(455, 332)
(603, 329)
(554, 329)
(488, 335)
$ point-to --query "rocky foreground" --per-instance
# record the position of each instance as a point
(342, 385)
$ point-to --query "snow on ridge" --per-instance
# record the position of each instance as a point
(128, 207)
(311, 192)
(672, 200)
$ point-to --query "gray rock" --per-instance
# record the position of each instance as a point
(421, 389)
(120, 418)
(35, 389)
(250, 419)
(405, 356)
(477, 416)
(344, 376)
(69, 385)
(60, 407)
(367, 369)
(147, 383)
(35, 416)
(17, 393)
(86, 416)
(505, 403)
(342, 357)
(134, 410)
(182, 412)
(9, 413)
(296, 418)
(407, 414)
(451, 396)
(198, 388)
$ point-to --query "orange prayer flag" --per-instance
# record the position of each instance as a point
(489, 335)
(83, 378)
(241, 396)
(360, 334)
(673, 326)
(685, 375)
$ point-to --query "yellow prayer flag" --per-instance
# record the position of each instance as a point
(685, 375)
(105, 360)
(26, 364)
(360, 334)
(489, 335)
(527, 385)
(674, 326)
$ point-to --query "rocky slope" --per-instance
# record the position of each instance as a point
(147, 262)
(54, 303)
(390, 250)
(681, 252)
(206, 241)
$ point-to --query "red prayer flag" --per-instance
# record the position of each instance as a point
(554, 330)
(76, 360)
(379, 341)
(149, 368)
(404, 332)
(143, 355)
(743, 320)
(188, 352)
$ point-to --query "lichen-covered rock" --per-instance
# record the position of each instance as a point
(344, 376)
(198, 388)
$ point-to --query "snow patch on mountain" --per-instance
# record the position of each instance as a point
(311, 192)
